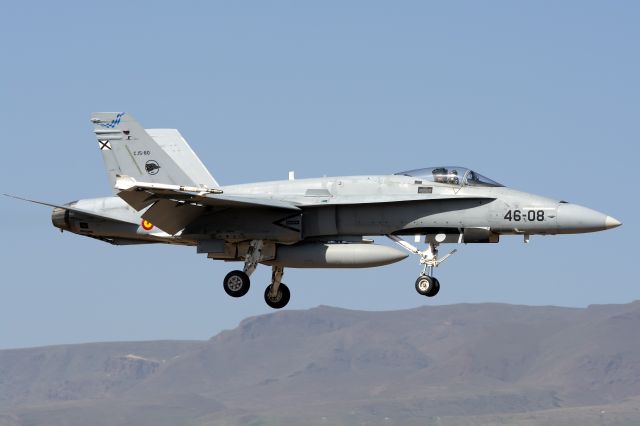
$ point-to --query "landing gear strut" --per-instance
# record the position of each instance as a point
(237, 283)
(426, 284)
(277, 294)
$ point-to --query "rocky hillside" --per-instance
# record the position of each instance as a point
(457, 365)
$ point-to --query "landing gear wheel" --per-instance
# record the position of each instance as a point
(236, 283)
(435, 289)
(427, 286)
(281, 298)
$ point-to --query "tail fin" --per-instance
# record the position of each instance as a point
(130, 150)
(172, 142)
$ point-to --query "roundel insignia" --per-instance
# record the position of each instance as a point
(146, 225)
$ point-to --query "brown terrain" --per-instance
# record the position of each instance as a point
(468, 364)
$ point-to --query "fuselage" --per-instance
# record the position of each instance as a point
(335, 208)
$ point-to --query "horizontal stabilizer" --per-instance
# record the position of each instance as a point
(170, 216)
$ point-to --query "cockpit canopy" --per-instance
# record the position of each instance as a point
(451, 175)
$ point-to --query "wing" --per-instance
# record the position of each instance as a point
(172, 207)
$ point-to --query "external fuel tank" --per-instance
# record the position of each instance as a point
(335, 255)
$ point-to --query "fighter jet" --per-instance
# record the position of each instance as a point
(162, 193)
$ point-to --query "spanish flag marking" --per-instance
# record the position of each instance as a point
(146, 225)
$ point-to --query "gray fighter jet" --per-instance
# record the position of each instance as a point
(164, 194)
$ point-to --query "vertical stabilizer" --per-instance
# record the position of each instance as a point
(129, 150)
(172, 142)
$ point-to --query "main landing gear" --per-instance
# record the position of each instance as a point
(426, 284)
(277, 294)
(237, 283)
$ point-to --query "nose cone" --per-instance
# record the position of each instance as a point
(573, 218)
(611, 222)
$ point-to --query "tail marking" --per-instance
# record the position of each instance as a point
(113, 123)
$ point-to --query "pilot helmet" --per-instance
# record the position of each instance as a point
(439, 171)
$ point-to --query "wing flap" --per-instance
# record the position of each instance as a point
(137, 199)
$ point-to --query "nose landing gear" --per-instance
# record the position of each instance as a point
(426, 284)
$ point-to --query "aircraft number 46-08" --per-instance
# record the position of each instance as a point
(164, 194)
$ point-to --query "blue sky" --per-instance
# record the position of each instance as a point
(540, 96)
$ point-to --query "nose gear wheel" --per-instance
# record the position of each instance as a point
(426, 284)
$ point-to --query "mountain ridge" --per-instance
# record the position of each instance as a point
(462, 362)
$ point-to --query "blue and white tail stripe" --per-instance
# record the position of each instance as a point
(113, 123)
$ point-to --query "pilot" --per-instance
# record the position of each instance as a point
(453, 177)
(439, 175)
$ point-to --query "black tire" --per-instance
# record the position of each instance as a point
(424, 284)
(435, 289)
(281, 299)
(236, 283)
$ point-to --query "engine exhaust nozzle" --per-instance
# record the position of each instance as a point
(60, 218)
